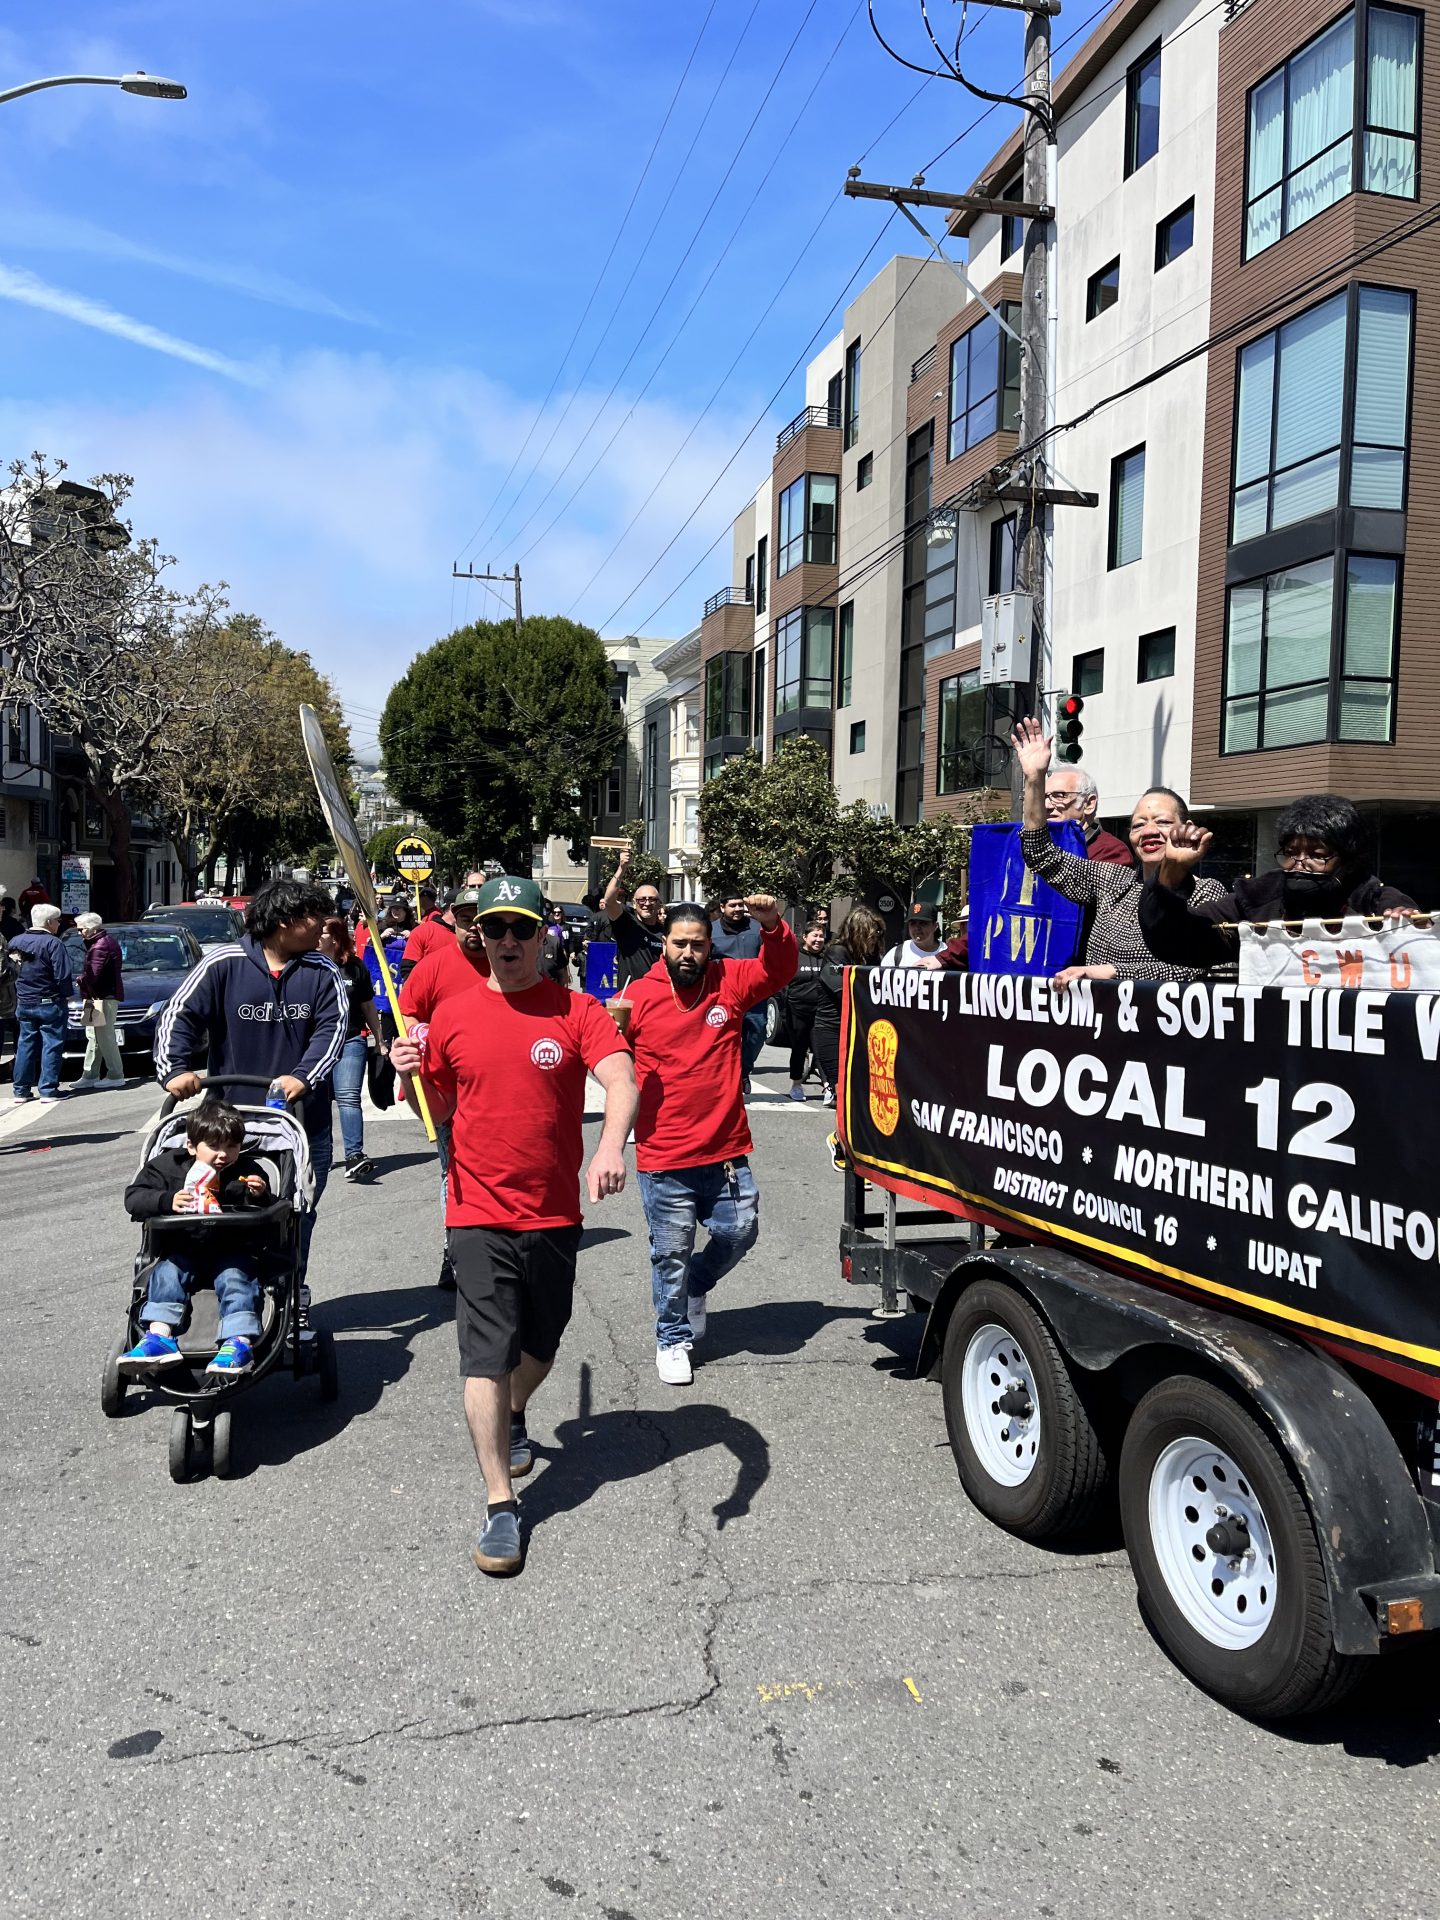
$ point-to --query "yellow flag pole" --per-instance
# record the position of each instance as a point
(413, 1088)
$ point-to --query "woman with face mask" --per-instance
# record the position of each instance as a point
(1323, 874)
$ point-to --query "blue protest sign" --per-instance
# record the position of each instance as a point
(602, 969)
(1018, 924)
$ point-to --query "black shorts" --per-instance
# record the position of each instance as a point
(514, 1291)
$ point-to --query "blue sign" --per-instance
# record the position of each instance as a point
(1018, 924)
(602, 969)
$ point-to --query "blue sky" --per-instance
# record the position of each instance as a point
(315, 308)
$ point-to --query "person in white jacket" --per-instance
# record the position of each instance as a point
(923, 938)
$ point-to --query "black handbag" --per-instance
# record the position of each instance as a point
(380, 1080)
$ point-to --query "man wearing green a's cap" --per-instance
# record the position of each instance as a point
(506, 1064)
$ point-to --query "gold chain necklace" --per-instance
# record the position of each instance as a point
(680, 1006)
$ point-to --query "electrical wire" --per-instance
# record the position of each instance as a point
(595, 289)
(669, 285)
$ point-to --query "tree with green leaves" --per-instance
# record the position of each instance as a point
(881, 856)
(646, 869)
(496, 738)
(773, 827)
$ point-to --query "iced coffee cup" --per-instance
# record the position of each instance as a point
(619, 1012)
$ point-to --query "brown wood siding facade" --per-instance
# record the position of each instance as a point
(813, 450)
(1251, 47)
(929, 399)
(945, 666)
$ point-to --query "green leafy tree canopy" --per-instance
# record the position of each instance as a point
(495, 737)
(646, 869)
(773, 827)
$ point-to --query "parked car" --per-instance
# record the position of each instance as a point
(213, 923)
(155, 957)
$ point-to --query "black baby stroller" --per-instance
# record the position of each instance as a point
(269, 1238)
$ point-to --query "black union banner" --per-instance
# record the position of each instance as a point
(1270, 1148)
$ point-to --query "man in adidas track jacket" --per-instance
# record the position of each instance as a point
(270, 1005)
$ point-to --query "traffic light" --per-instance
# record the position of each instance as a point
(1071, 728)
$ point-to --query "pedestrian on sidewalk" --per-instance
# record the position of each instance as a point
(362, 1024)
(635, 928)
(735, 936)
(42, 1006)
(506, 1065)
(102, 988)
(10, 921)
(802, 996)
(270, 1006)
(455, 967)
(692, 1140)
(921, 947)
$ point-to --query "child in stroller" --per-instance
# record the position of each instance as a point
(211, 1173)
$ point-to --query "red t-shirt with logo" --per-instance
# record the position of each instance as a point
(446, 969)
(687, 1055)
(512, 1068)
(433, 931)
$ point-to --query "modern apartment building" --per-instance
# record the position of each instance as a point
(1241, 333)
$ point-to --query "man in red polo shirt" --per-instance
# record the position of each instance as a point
(692, 1140)
(455, 964)
(506, 1065)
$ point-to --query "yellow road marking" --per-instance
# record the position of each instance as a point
(913, 1691)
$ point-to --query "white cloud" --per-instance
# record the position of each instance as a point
(335, 499)
(30, 291)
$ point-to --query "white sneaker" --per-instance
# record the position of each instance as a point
(673, 1366)
(695, 1313)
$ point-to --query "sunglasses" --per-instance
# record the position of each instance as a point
(495, 928)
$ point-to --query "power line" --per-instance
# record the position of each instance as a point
(665, 294)
(594, 291)
(634, 271)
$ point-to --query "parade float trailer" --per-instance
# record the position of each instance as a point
(1178, 1246)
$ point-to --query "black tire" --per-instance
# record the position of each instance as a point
(1293, 1668)
(182, 1447)
(328, 1366)
(113, 1383)
(1067, 1483)
(221, 1458)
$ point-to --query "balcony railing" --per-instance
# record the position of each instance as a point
(811, 417)
(727, 597)
(925, 364)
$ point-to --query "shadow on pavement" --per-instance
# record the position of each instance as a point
(286, 1417)
(594, 1449)
(776, 1327)
(47, 1143)
(599, 1236)
(1389, 1717)
(384, 1163)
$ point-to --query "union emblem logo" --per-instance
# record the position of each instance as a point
(716, 1017)
(882, 1045)
(547, 1054)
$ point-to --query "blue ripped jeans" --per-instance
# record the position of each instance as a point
(725, 1201)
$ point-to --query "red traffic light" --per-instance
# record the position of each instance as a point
(1072, 706)
(1071, 727)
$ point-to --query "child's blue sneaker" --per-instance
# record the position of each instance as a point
(233, 1358)
(149, 1353)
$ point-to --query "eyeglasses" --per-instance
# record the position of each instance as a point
(1313, 861)
(647, 900)
(495, 928)
(1057, 799)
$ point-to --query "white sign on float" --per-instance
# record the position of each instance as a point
(1348, 953)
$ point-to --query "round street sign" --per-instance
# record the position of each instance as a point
(413, 860)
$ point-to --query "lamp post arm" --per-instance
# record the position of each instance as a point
(61, 80)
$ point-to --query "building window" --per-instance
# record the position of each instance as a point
(651, 772)
(1302, 125)
(692, 821)
(964, 759)
(1282, 634)
(1127, 507)
(713, 763)
(857, 736)
(1102, 290)
(852, 394)
(807, 522)
(1291, 430)
(804, 655)
(1012, 227)
(762, 573)
(1175, 235)
(615, 791)
(727, 696)
(864, 472)
(750, 579)
(845, 663)
(1142, 110)
(1157, 655)
(1087, 673)
(835, 400)
(1002, 554)
(984, 381)
(758, 703)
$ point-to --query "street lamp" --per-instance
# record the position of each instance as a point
(148, 85)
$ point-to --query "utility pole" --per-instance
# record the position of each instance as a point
(1033, 527)
(510, 579)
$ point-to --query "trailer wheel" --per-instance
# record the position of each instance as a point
(1225, 1556)
(1027, 1453)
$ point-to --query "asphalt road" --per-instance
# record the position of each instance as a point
(763, 1659)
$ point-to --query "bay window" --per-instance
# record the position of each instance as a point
(984, 382)
(1340, 114)
(807, 522)
(727, 697)
(804, 657)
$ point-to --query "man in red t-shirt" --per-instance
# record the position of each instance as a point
(692, 1140)
(455, 965)
(435, 928)
(506, 1065)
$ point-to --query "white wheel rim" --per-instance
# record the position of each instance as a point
(1226, 1591)
(1005, 1438)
